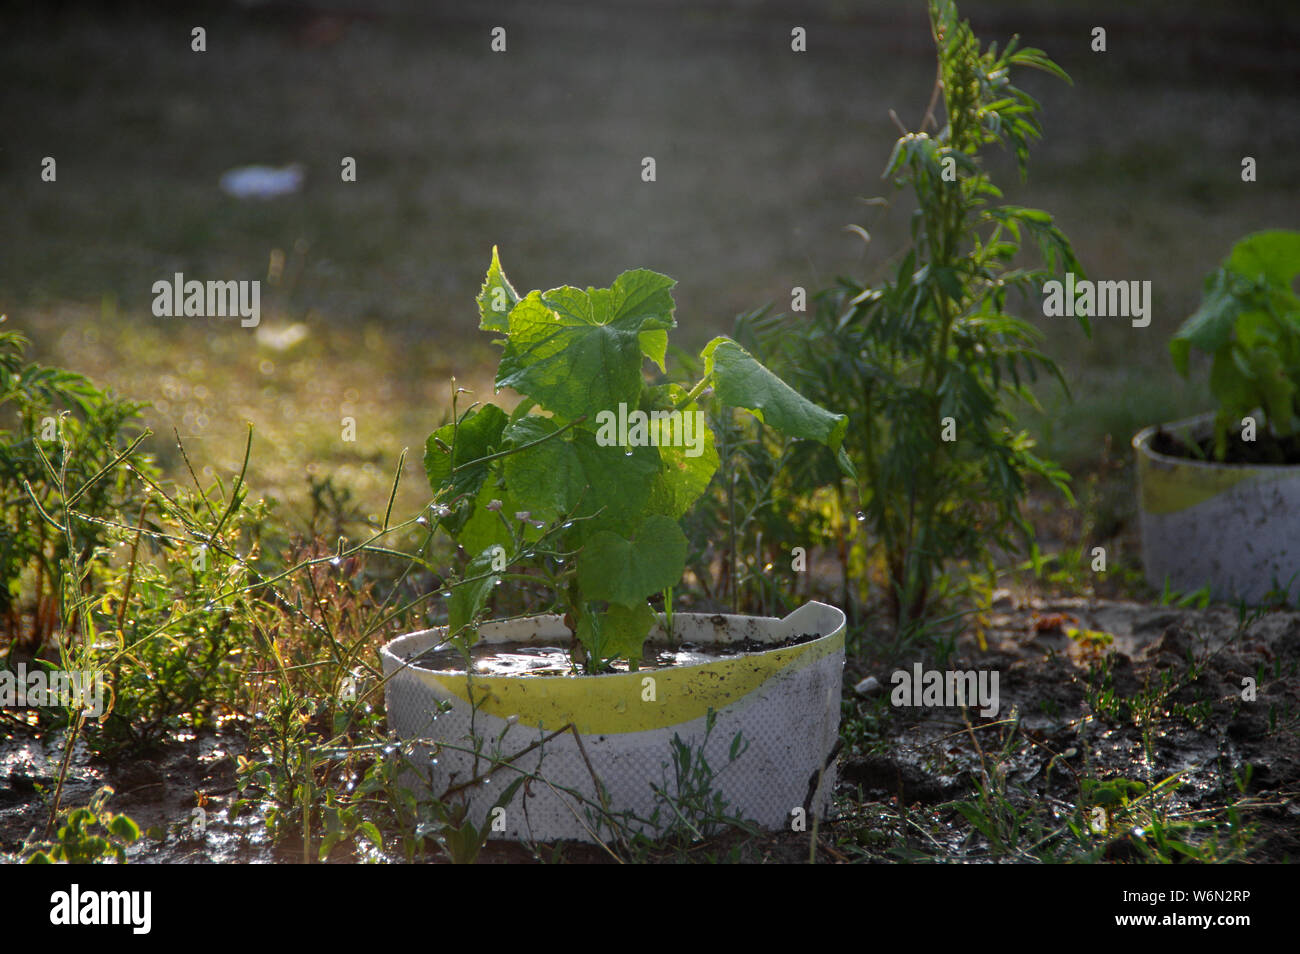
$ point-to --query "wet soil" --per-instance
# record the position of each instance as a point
(1265, 449)
(1196, 663)
(178, 794)
(899, 785)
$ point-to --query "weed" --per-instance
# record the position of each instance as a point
(87, 835)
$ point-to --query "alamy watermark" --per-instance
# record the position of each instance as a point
(637, 428)
(77, 907)
(195, 299)
(1087, 299)
(38, 688)
(933, 688)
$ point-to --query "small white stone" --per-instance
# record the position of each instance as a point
(867, 686)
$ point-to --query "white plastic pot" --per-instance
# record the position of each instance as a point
(785, 703)
(1235, 527)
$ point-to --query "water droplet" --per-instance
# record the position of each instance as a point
(627, 453)
(566, 525)
(422, 521)
(445, 594)
(861, 516)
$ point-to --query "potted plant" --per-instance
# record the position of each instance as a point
(606, 717)
(1220, 493)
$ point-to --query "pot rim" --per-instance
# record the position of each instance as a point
(821, 644)
(1197, 423)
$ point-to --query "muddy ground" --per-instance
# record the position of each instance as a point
(903, 770)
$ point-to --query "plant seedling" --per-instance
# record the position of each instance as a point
(596, 467)
(1249, 321)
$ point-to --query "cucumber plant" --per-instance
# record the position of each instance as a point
(590, 475)
(1249, 322)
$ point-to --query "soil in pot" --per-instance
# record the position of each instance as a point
(1265, 449)
(531, 659)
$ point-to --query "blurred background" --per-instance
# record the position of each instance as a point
(762, 156)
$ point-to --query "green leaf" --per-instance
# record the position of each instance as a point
(546, 479)
(124, 828)
(477, 435)
(625, 571)
(654, 345)
(485, 528)
(682, 478)
(641, 293)
(617, 633)
(617, 484)
(1037, 59)
(1275, 389)
(496, 299)
(564, 354)
(468, 599)
(371, 833)
(577, 352)
(1273, 256)
(741, 381)
(1210, 327)
(574, 474)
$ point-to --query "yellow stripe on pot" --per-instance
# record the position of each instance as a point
(1170, 488)
(613, 703)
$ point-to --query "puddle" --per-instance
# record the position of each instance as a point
(531, 659)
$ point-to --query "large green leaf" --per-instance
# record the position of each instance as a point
(546, 479)
(617, 482)
(453, 446)
(496, 298)
(568, 363)
(625, 571)
(741, 381)
(578, 352)
(573, 474)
